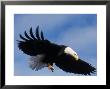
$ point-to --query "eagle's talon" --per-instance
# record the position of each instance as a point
(50, 67)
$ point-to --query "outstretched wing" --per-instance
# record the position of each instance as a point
(32, 45)
(68, 64)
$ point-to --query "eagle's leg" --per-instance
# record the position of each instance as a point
(50, 67)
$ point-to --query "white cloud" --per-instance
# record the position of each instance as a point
(79, 37)
(46, 22)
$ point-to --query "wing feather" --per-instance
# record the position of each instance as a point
(42, 37)
(68, 64)
(33, 46)
(37, 33)
(23, 38)
(27, 36)
(31, 33)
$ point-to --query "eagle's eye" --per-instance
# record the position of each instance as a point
(75, 54)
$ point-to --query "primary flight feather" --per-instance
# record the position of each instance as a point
(44, 53)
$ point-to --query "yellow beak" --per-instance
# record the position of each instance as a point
(75, 56)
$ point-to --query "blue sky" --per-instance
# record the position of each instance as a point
(79, 31)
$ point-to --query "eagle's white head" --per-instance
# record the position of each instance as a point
(71, 52)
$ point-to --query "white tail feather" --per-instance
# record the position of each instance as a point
(35, 62)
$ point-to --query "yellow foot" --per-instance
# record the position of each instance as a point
(50, 67)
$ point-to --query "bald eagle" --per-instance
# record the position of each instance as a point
(44, 53)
